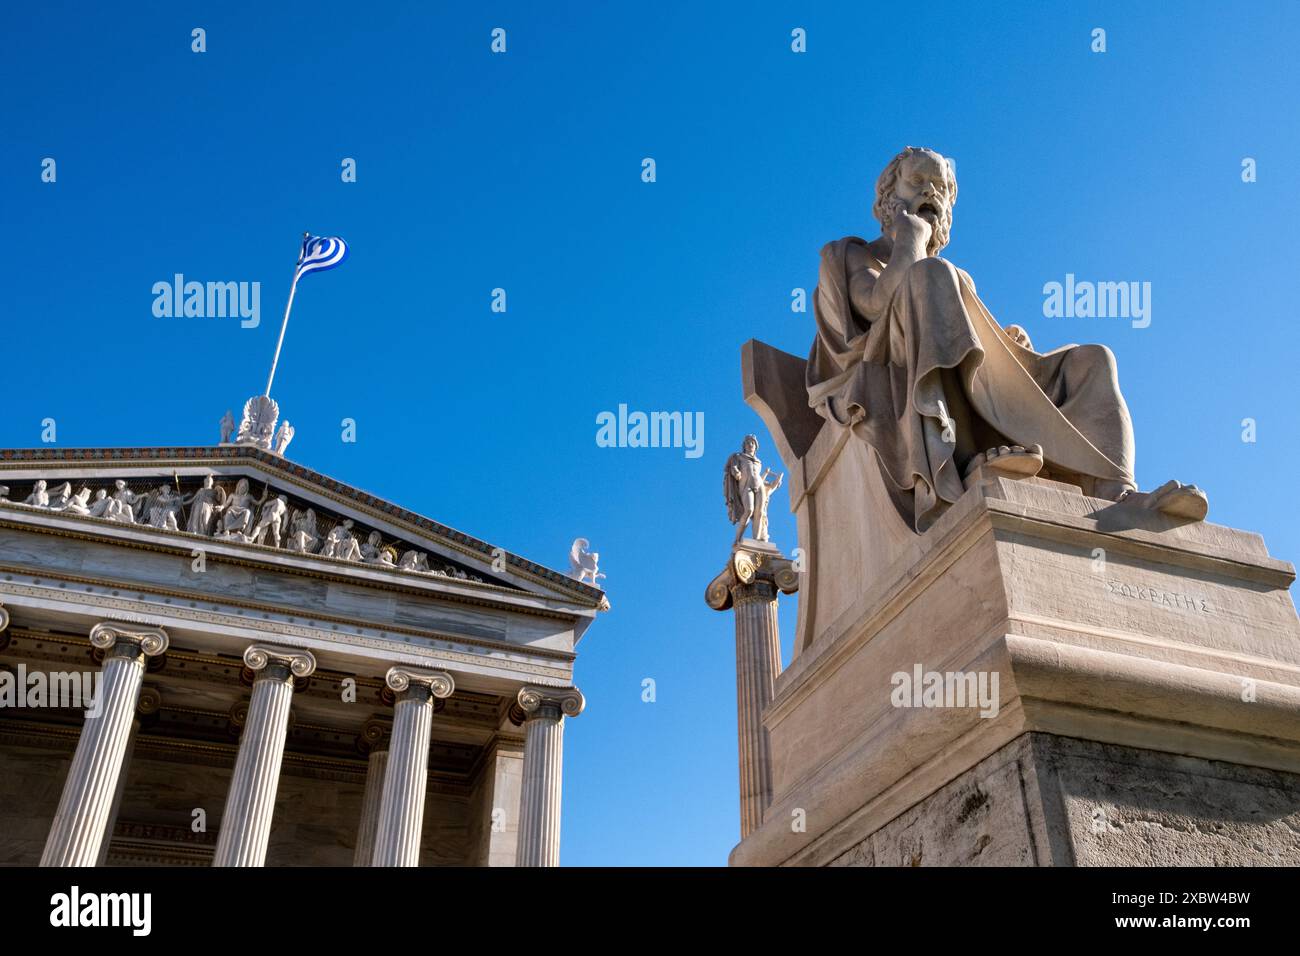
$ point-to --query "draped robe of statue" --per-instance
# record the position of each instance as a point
(885, 378)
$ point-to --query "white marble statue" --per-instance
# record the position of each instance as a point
(60, 496)
(204, 504)
(272, 519)
(162, 509)
(4, 495)
(583, 562)
(39, 498)
(302, 532)
(414, 561)
(342, 543)
(227, 427)
(283, 437)
(746, 488)
(374, 551)
(79, 504)
(913, 363)
(100, 504)
(120, 506)
(258, 424)
(239, 512)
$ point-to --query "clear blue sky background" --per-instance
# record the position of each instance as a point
(523, 171)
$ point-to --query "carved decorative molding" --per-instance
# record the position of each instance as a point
(101, 602)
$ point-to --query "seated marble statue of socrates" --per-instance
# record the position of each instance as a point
(910, 359)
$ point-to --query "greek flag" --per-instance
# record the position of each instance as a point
(319, 253)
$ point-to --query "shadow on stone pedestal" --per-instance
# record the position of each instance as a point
(1041, 678)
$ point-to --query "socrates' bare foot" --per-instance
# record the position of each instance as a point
(1014, 461)
(1174, 499)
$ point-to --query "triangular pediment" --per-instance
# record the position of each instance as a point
(244, 498)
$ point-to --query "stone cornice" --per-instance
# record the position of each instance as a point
(491, 596)
(443, 655)
(346, 495)
(109, 584)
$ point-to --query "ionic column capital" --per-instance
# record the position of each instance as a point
(4, 617)
(550, 701)
(754, 572)
(150, 641)
(298, 662)
(439, 684)
(375, 736)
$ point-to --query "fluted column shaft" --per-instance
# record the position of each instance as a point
(406, 779)
(250, 801)
(539, 810)
(758, 664)
(376, 768)
(82, 817)
(149, 702)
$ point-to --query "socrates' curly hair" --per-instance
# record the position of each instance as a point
(885, 192)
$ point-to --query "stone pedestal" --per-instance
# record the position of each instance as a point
(754, 574)
(1041, 678)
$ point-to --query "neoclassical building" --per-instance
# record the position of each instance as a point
(290, 671)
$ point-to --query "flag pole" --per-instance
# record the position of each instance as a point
(293, 287)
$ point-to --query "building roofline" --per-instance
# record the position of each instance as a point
(233, 454)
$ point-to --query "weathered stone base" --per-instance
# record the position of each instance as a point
(1047, 800)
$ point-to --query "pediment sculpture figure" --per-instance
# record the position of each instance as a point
(60, 497)
(120, 505)
(302, 532)
(204, 504)
(583, 563)
(271, 521)
(341, 543)
(910, 359)
(258, 424)
(39, 498)
(239, 513)
(162, 509)
(100, 504)
(79, 504)
(374, 551)
(414, 561)
(283, 437)
(227, 427)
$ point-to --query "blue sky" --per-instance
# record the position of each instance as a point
(523, 171)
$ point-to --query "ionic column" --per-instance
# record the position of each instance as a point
(401, 810)
(750, 584)
(149, 703)
(246, 819)
(758, 664)
(374, 737)
(82, 817)
(544, 710)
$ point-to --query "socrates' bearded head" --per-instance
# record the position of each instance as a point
(924, 183)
